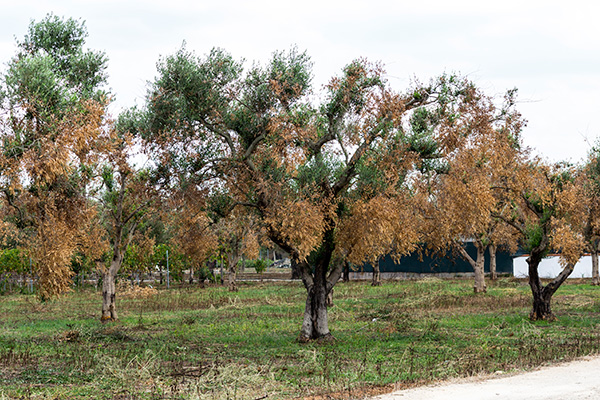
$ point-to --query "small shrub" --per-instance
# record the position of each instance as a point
(260, 265)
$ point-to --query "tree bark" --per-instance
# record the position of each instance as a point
(479, 286)
(125, 226)
(296, 269)
(493, 273)
(477, 264)
(109, 308)
(542, 295)
(595, 272)
(221, 272)
(346, 272)
(315, 324)
(318, 285)
(376, 274)
(232, 261)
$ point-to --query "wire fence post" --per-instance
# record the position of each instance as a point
(31, 279)
(221, 268)
(168, 285)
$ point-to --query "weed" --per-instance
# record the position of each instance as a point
(211, 344)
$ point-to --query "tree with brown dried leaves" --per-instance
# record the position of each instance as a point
(591, 186)
(126, 197)
(52, 137)
(327, 182)
(545, 204)
(463, 197)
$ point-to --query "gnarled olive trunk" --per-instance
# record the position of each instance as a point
(296, 269)
(542, 295)
(493, 273)
(376, 274)
(478, 265)
(346, 272)
(109, 308)
(318, 285)
(315, 324)
(232, 261)
(479, 286)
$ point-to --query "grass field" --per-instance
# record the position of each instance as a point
(193, 343)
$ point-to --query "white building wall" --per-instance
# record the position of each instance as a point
(550, 268)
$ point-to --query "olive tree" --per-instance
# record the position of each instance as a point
(53, 101)
(326, 177)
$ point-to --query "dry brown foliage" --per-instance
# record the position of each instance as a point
(547, 202)
(483, 156)
(129, 291)
(185, 213)
(379, 226)
(301, 223)
(44, 187)
(77, 139)
(193, 236)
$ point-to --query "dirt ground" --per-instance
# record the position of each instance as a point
(576, 380)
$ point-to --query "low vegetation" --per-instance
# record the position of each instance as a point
(192, 343)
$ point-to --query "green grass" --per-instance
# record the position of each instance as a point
(211, 344)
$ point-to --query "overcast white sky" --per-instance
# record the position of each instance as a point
(549, 50)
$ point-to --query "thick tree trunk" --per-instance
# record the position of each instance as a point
(318, 285)
(232, 272)
(109, 308)
(296, 269)
(477, 264)
(595, 272)
(315, 324)
(479, 286)
(346, 272)
(376, 275)
(541, 306)
(542, 295)
(493, 273)
(231, 279)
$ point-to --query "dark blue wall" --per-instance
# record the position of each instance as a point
(449, 263)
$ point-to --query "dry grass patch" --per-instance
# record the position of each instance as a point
(211, 344)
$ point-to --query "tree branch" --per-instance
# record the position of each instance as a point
(510, 222)
(556, 282)
(350, 170)
(335, 274)
(250, 150)
(464, 254)
(306, 274)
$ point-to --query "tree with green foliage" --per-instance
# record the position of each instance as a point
(52, 132)
(591, 185)
(126, 198)
(236, 232)
(13, 262)
(325, 180)
(546, 207)
(463, 197)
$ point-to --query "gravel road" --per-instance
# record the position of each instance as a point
(576, 380)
